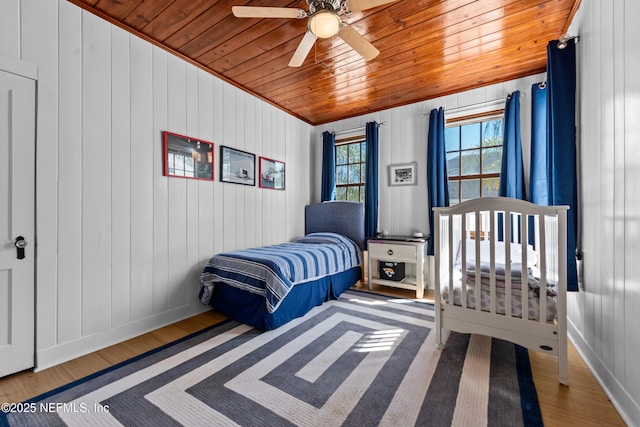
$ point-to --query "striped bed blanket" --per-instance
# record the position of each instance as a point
(272, 271)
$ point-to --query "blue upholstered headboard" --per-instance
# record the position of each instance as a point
(346, 218)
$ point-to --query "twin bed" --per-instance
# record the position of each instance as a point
(500, 270)
(268, 286)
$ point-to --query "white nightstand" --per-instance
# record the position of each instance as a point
(406, 249)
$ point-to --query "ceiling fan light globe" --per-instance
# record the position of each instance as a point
(324, 24)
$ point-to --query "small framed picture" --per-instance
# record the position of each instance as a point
(187, 157)
(237, 166)
(403, 174)
(271, 174)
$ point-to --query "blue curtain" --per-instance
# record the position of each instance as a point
(540, 170)
(553, 159)
(371, 181)
(561, 113)
(539, 164)
(511, 172)
(437, 179)
(328, 166)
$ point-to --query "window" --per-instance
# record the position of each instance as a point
(180, 165)
(350, 169)
(474, 157)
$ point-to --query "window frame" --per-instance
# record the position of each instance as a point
(459, 122)
(356, 139)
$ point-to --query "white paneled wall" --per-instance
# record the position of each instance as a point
(120, 246)
(604, 315)
(403, 138)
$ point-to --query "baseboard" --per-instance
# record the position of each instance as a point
(627, 407)
(63, 353)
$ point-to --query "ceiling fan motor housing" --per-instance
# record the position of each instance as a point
(332, 5)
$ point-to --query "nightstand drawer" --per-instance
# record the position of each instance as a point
(390, 251)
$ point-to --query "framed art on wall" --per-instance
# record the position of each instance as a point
(187, 157)
(272, 173)
(403, 174)
(237, 166)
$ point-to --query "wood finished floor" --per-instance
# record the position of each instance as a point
(583, 403)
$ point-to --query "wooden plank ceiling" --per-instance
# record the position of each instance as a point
(428, 48)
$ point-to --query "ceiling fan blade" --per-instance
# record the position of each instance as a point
(357, 42)
(360, 5)
(303, 49)
(267, 12)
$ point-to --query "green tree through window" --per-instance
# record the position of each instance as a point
(474, 156)
(350, 169)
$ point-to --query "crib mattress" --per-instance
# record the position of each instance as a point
(533, 300)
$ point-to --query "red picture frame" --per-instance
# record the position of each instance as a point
(271, 174)
(187, 157)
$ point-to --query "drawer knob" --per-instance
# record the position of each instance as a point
(390, 252)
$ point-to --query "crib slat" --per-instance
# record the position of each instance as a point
(463, 248)
(492, 262)
(524, 274)
(507, 263)
(478, 278)
(449, 238)
(542, 265)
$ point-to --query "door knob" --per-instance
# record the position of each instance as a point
(20, 244)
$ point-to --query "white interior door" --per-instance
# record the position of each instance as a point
(17, 200)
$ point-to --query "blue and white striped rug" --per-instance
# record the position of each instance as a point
(363, 360)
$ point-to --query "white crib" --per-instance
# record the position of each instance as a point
(507, 279)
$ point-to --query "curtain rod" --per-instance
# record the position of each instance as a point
(354, 129)
(476, 105)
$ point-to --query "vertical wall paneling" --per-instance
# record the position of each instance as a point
(160, 183)
(629, 52)
(595, 127)
(191, 273)
(34, 17)
(278, 145)
(604, 269)
(230, 191)
(206, 199)
(120, 178)
(177, 228)
(256, 120)
(612, 264)
(144, 145)
(612, 298)
(96, 173)
(285, 148)
(250, 194)
(238, 123)
(602, 315)
(68, 302)
(268, 205)
(420, 206)
(218, 187)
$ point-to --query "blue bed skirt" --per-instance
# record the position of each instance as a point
(251, 309)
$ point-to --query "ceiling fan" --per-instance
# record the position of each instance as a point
(324, 22)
